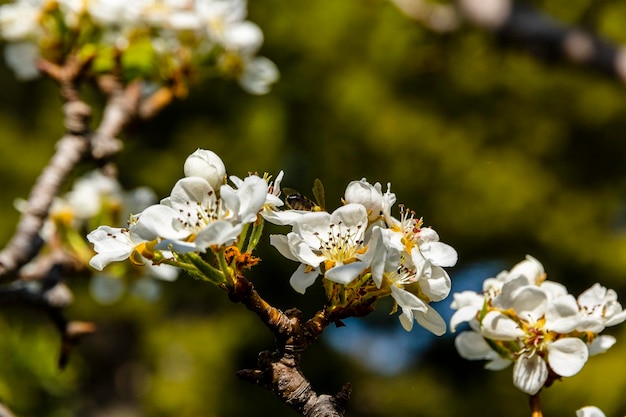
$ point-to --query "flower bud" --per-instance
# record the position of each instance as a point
(206, 164)
(366, 194)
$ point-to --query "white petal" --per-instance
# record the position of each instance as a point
(352, 216)
(22, 57)
(378, 255)
(530, 374)
(553, 289)
(219, 233)
(312, 226)
(462, 315)
(529, 302)
(497, 326)
(178, 246)
(281, 243)
(301, 279)
(439, 253)
(567, 356)
(158, 221)
(406, 319)
(616, 318)
(345, 274)
(589, 411)
(282, 218)
(472, 346)
(562, 314)
(245, 37)
(467, 298)
(498, 364)
(601, 344)
(111, 245)
(591, 324)
(407, 299)
(437, 286)
(252, 194)
(302, 251)
(431, 321)
(530, 268)
(258, 76)
(593, 296)
(189, 190)
(504, 299)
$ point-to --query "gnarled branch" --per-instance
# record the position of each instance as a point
(279, 371)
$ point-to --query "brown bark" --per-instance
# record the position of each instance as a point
(279, 371)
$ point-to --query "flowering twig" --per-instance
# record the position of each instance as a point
(70, 150)
(78, 144)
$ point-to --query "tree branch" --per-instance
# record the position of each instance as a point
(77, 145)
(279, 371)
(523, 26)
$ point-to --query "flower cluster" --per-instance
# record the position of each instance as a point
(360, 249)
(522, 318)
(364, 253)
(201, 214)
(159, 39)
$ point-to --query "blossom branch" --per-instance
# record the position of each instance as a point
(70, 150)
(279, 371)
(523, 26)
(78, 144)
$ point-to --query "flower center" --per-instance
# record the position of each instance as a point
(409, 227)
(195, 215)
(535, 340)
(341, 244)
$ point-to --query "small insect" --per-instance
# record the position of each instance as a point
(297, 201)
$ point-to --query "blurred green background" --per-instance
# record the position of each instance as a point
(502, 154)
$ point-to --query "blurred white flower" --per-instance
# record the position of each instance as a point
(589, 411)
(522, 318)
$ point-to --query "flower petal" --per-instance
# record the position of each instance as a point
(431, 321)
(589, 411)
(406, 319)
(601, 344)
(158, 221)
(281, 243)
(530, 268)
(345, 274)
(462, 315)
(562, 314)
(497, 326)
(530, 374)
(472, 346)
(407, 299)
(439, 253)
(111, 245)
(567, 356)
(219, 233)
(437, 286)
(303, 278)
